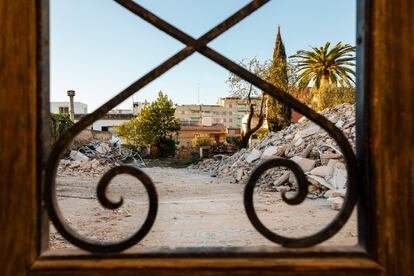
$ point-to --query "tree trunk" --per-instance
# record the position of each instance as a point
(245, 137)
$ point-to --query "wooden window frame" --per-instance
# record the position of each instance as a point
(386, 205)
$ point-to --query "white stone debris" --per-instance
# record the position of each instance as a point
(97, 158)
(305, 143)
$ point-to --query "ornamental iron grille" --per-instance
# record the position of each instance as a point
(192, 46)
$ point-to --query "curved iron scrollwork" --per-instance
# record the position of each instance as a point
(199, 45)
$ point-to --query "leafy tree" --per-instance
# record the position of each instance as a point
(245, 90)
(278, 114)
(329, 95)
(59, 124)
(155, 125)
(324, 65)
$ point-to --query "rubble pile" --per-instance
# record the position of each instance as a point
(96, 158)
(308, 145)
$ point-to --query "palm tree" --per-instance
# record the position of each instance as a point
(324, 65)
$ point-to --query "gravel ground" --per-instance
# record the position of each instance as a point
(195, 210)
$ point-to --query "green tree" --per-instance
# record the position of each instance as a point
(155, 125)
(329, 95)
(59, 124)
(278, 114)
(323, 65)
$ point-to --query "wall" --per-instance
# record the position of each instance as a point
(80, 108)
(186, 136)
(107, 123)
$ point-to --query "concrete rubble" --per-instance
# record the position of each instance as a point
(305, 143)
(96, 158)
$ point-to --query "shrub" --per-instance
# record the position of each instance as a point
(59, 124)
(166, 146)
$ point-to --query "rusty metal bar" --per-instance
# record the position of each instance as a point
(351, 162)
(50, 198)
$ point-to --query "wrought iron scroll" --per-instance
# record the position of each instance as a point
(50, 198)
(199, 45)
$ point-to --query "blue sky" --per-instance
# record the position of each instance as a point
(98, 47)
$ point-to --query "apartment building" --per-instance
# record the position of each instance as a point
(228, 111)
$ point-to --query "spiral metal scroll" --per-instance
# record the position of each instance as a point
(50, 198)
(350, 159)
(199, 45)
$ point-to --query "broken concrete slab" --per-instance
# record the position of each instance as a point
(305, 163)
(253, 155)
(310, 130)
(339, 179)
(269, 152)
(282, 180)
(316, 180)
(336, 202)
(325, 157)
(78, 156)
(322, 171)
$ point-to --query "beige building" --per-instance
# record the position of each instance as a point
(216, 133)
(229, 111)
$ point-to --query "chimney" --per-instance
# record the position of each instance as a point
(71, 95)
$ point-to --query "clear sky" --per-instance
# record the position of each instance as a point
(98, 47)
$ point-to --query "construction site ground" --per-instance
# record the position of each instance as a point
(195, 210)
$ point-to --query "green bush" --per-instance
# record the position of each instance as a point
(166, 146)
(59, 124)
(262, 135)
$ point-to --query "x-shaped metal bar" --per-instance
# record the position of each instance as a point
(200, 46)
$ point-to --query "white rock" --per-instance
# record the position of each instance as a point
(338, 193)
(78, 156)
(322, 171)
(339, 124)
(319, 180)
(338, 179)
(269, 152)
(305, 163)
(239, 175)
(312, 129)
(332, 162)
(253, 155)
(298, 142)
(282, 189)
(302, 119)
(336, 202)
(353, 130)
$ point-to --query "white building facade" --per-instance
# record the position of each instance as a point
(63, 108)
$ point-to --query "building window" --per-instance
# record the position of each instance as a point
(231, 120)
(230, 113)
(224, 113)
(63, 110)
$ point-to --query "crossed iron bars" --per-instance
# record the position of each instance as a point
(199, 45)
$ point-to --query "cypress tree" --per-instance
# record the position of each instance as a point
(278, 114)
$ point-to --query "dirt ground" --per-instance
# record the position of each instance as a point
(195, 210)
